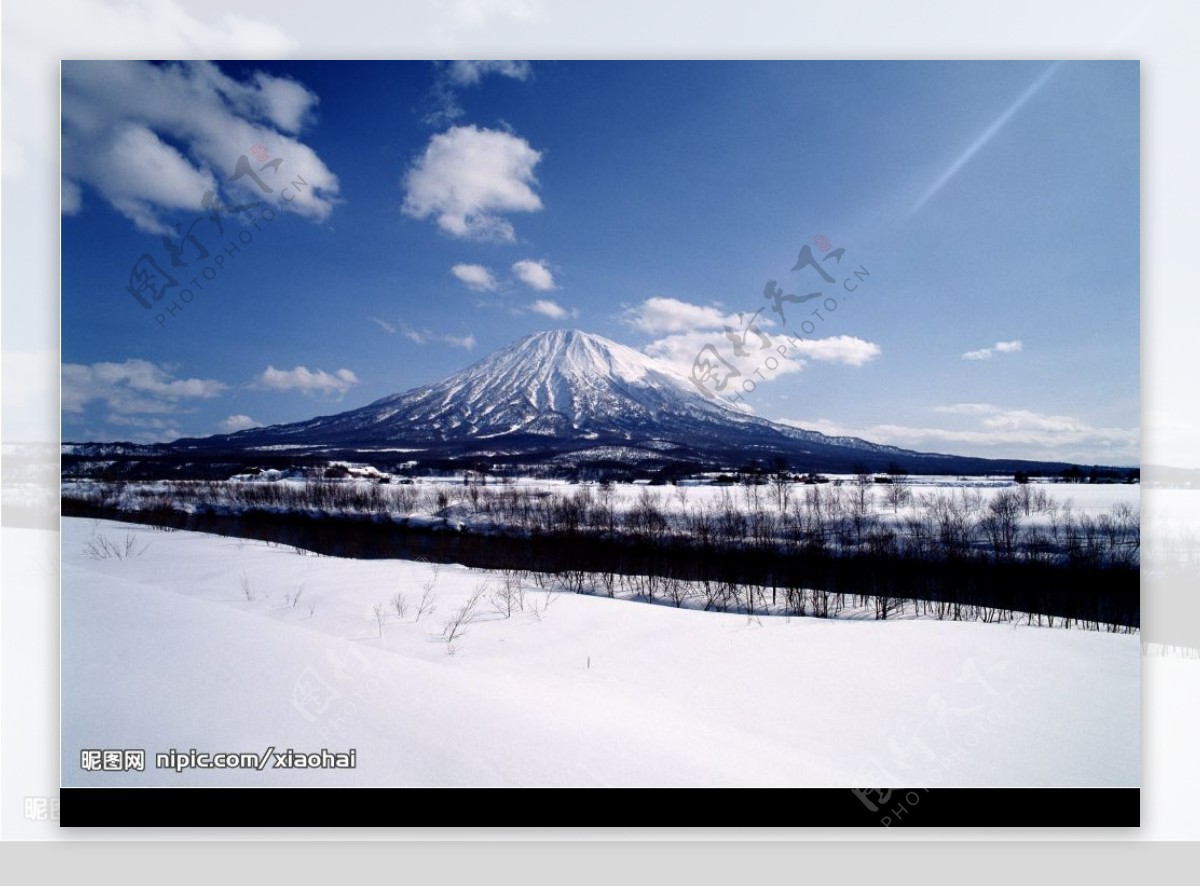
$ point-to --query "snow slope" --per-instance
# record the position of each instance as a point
(166, 650)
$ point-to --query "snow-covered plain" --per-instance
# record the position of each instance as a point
(199, 642)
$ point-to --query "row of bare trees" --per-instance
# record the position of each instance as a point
(1022, 523)
(786, 600)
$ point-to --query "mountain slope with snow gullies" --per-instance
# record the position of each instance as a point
(554, 393)
(550, 383)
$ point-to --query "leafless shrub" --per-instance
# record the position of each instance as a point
(293, 598)
(547, 600)
(428, 603)
(509, 596)
(100, 547)
(427, 606)
(456, 626)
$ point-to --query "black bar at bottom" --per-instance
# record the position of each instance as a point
(566, 807)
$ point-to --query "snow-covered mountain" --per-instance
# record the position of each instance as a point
(554, 385)
(570, 397)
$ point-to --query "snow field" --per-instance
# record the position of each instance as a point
(167, 649)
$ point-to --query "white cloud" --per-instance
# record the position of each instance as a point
(306, 381)
(550, 308)
(469, 73)
(682, 350)
(996, 432)
(135, 386)
(383, 325)
(477, 277)
(283, 101)
(688, 332)
(764, 358)
(999, 348)
(849, 350)
(534, 274)
(139, 175)
(152, 139)
(467, 176)
(659, 314)
(239, 422)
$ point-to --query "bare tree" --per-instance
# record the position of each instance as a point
(607, 514)
(862, 491)
(677, 590)
(1000, 522)
(681, 496)
(898, 492)
(781, 486)
(1024, 492)
(400, 604)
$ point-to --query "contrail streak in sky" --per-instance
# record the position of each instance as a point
(985, 137)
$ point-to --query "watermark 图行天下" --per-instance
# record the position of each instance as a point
(711, 366)
(150, 284)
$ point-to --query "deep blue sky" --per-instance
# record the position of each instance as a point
(669, 194)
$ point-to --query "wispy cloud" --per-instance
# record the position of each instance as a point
(992, 431)
(450, 77)
(534, 274)
(477, 277)
(469, 73)
(151, 140)
(999, 348)
(427, 337)
(148, 430)
(468, 177)
(306, 381)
